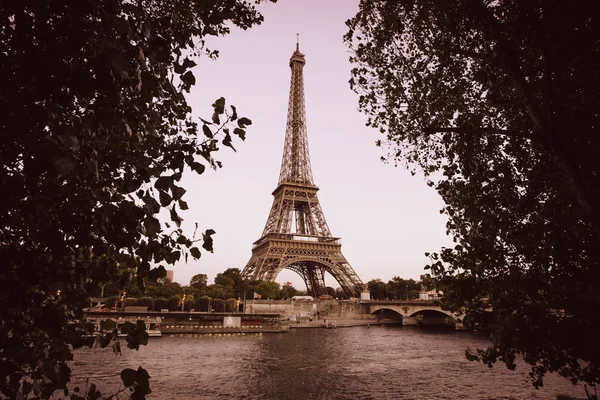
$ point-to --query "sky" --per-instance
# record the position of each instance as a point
(386, 218)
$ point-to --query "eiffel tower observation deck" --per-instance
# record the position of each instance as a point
(296, 235)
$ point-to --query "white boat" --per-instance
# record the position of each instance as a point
(153, 325)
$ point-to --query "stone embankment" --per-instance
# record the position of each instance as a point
(343, 323)
(304, 310)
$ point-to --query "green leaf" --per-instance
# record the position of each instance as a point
(165, 198)
(116, 347)
(178, 192)
(129, 376)
(64, 165)
(207, 240)
(164, 182)
(227, 141)
(143, 385)
(152, 226)
(188, 63)
(92, 393)
(178, 68)
(197, 167)
(182, 239)
(175, 217)
(215, 118)
(188, 79)
(107, 325)
(195, 252)
(151, 204)
(242, 122)
(27, 386)
(240, 132)
(137, 336)
(103, 340)
(127, 327)
(207, 132)
(158, 272)
(219, 105)
(130, 184)
(234, 113)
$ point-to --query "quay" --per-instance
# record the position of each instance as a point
(278, 316)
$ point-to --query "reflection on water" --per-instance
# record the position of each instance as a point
(345, 363)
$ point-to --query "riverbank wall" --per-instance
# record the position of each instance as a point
(302, 311)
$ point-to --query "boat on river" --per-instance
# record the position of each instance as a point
(102, 325)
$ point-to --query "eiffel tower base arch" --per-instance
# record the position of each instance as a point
(309, 259)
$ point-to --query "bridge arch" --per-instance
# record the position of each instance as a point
(431, 310)
(419, 313)
(388, 313)
(410, 310)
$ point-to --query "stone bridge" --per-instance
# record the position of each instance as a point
(416, 312)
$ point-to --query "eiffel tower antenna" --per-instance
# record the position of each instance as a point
(296, 235)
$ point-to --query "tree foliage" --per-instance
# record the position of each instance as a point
(198, 281)
(287, 291)
(401, 289)
(232, 279)
(268, 290)
(95, 135)
(378, 289)
(497, 103)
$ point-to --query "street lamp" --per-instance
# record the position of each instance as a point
(122, 300)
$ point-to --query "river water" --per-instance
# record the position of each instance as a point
(344, 363)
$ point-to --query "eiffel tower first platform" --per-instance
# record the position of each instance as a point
(296, 235)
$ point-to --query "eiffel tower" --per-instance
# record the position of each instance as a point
(296, 235)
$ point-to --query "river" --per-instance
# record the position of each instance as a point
(344, 363)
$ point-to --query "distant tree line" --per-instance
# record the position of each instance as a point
(227, 291)
(398, 288)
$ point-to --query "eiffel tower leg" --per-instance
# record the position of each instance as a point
(316, 276)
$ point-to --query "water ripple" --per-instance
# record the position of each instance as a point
(347, 363)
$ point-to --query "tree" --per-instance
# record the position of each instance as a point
(398, 288)
(268, 290)
(496, 103)
(288, 291)
(232, 277)
(218, 291)
(340, 294)
(378, 289)
(93, 146)
(198, 282)
(427, 282)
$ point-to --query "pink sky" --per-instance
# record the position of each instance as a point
(386, 218)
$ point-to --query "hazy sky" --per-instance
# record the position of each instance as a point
(386, 218)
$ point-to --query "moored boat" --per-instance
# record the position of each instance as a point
(104, 325)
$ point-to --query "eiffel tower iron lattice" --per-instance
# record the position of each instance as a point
(296, 235)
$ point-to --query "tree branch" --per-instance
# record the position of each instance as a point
(480, 131)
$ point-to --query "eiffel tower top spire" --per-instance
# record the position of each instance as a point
(295, 165)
